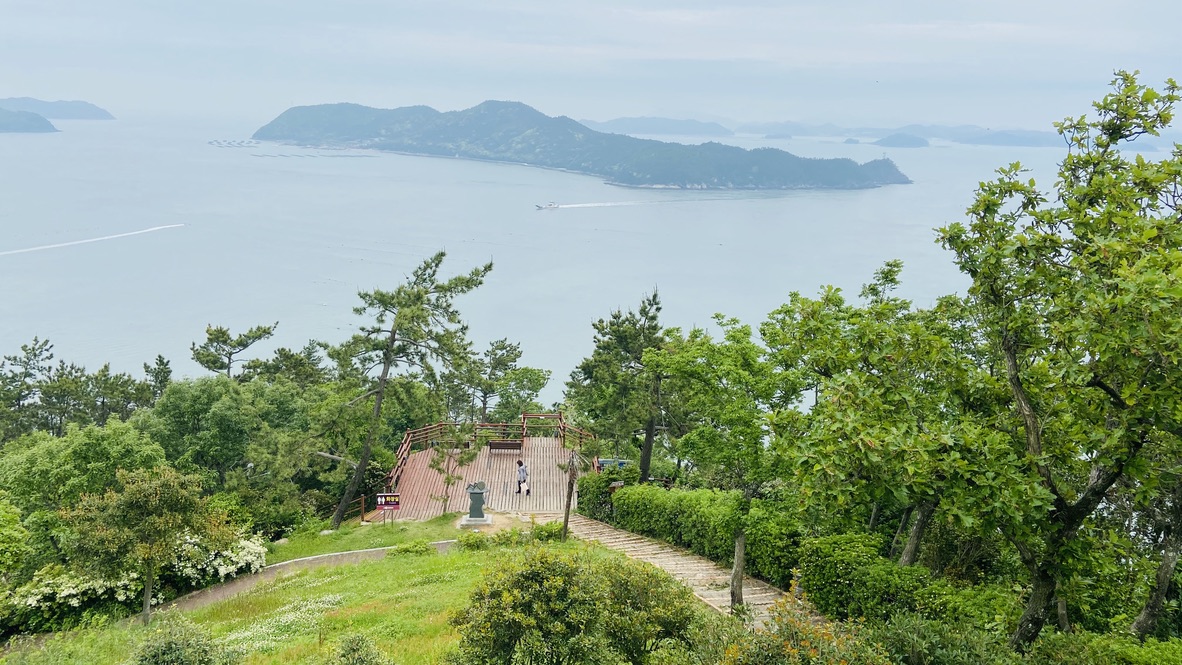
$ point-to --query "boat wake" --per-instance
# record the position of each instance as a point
(83, 242)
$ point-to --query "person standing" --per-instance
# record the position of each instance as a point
(522, 477)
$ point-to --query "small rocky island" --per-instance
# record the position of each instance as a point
(24, 122)
(59, 110)
(516, 133)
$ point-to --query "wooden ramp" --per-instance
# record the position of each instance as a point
(498, 469)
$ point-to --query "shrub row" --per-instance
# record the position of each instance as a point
(702, 521)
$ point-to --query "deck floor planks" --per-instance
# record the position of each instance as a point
(498, 469)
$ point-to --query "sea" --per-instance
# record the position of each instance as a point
(121, 240)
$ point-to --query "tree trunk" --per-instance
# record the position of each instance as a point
(149, 587)
(646, 452)
(1150, 614)
(737, 570)
(1038, 606)
(899, 532)
(911, 550)
(570, 493)
(873, 518)
(375, 424)
(1064, 620)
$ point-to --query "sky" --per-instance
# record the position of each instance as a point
(999, 64)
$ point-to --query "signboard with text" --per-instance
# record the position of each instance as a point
(388, 501)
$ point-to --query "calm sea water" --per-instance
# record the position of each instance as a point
(267, 233)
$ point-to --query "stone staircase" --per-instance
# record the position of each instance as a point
(709, 581)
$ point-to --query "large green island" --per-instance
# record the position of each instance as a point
(514, 132)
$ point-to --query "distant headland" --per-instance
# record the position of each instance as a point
(24, 122)
(516, 133)
(59, 110)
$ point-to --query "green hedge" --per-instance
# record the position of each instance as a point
(595, 501)
(1085, 648)
(844, 577)
(703, 521)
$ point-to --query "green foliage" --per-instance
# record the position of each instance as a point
(845, 579)
(13, 540)
(136, 524)
(773, 542)
(417, 547)
(702, 521)
(1093, 385)
(219, 350)
(358, 650)
(548, 532)
(595, 497)
(42, 472)
(547, 606)
(177, 641)
(705, 641)
(910, 639)
(474, 541)
(989, 607)
(1084, 648)
(795, 638)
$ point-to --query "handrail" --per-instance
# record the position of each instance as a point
(481, 432)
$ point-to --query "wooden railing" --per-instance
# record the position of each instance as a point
(532, 424)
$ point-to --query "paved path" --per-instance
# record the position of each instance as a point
(708, 580)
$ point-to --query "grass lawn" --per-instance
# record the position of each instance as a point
(310, 543)
(401, 602)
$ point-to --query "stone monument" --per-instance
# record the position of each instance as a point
(476, 516)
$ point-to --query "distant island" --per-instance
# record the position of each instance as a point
(60, 110)
(24, 122)
(659, 126)
(902, 141)
(516, 133)
(966, 134)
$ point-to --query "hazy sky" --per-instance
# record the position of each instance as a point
(1002, 63)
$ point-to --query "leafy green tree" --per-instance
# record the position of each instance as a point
(204, 423)
(303, 368)
(159, 375)
(136, 524)
(614, 387)
(731, 398)
(518, 392)
(900, 404)
(44, 473)
(20, 380)
(1078, 293)
(220, 350)
(414, 325)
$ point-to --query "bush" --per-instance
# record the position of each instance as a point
(1084, 648)
(702, 521)
(910, 639)
(358, 650)
(174, 640)
(595, 499)
(548, 532)
(792, 638)
(991, 607)
(545, 606)
(773, 543)
(474, 541)
(419, 546)
(829, 570)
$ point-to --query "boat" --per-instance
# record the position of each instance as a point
(549, 206)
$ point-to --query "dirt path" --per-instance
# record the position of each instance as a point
(709, 581)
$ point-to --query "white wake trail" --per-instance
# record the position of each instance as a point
(83, 242)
